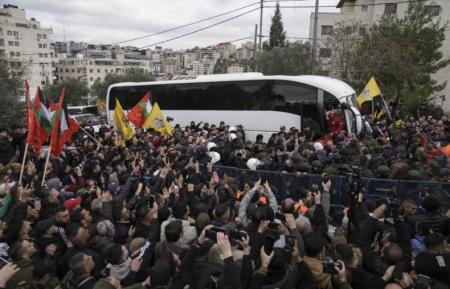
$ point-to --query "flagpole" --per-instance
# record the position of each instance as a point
(46, 164)
(386, 106)
(89, 135)
(23, 163)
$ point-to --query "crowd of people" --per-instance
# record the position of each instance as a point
(157, 214)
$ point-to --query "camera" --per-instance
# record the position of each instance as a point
(272, 235)
(280, 217)
(354, 180)
(233, 234)
(326, 178)
(329, 266)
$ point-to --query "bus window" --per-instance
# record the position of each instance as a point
(297, 99)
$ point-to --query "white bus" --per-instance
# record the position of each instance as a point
(262, 104)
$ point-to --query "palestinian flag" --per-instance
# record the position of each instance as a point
(39, 120)
(140, 111)
(65, 125)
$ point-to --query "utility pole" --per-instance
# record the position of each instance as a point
(260, 34)
(254, 43)
(314, 44)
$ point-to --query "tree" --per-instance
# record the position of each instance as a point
(75, 90)
(11, 87)
(277, 33)
(100, 87)
(402, 54)
(343, 43)
(294, 59)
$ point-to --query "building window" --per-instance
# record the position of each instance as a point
(364, 8)
(60, 70)
(327, 29)
(91, 70)
(73, 70)
(362, 31)
(45, 55)
(106, 70)
(19, 64)
(11, 43)
(62, 78)
(39, 36)
(98, 70)
(2, 53)
(15, 33)
(11, 53)
(17, 53)
(325, 52)
(16, 43)
(40, 45)
(433, 10)
(1, 31)
(2, 42)
(45, 45)
(91, 78)
(42, 82)
(390, 8)
(67, 70)
(40, 55)
(34, 26)
(44, 36)
(9, 32)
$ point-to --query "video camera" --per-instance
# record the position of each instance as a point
(354, 180)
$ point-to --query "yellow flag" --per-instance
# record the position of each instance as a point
(379, 113)
(369, 92)
(121, 123)
(158, 121)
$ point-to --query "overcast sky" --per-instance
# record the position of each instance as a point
(109, 21)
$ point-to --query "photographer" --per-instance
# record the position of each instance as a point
(384, 244)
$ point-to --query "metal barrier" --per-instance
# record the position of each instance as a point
(291, 185)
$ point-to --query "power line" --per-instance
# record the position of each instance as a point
(200, 29)
(185, 25)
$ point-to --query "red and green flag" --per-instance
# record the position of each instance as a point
(140, 111)
(39, 120)
(64, 125)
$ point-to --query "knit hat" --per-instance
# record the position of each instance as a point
(53, 183)
(318, 146)
(72, 203)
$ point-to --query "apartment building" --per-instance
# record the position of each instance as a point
(26, 47)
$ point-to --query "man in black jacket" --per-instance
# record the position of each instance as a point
(435, 262)
(80, 274)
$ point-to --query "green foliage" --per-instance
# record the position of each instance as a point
(402, 54)
(75, 90)
(293, 59)
(277, 33)
(11, 88)
(100, 87)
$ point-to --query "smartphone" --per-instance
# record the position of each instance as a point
(398, 271)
